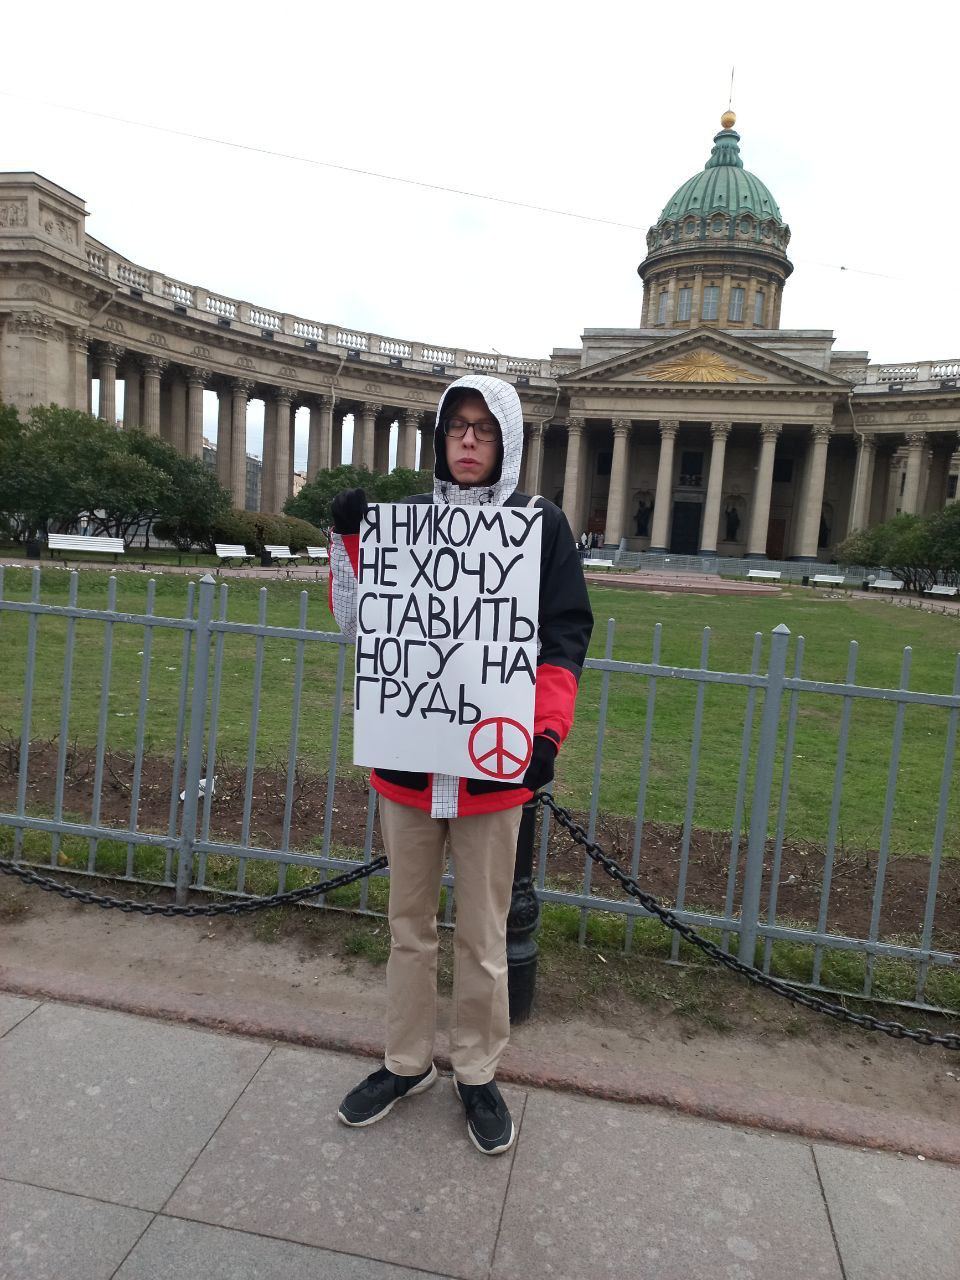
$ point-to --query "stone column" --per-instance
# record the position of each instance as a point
(370, 411)
(268, 496)
(318, 440)
(281, 468)
(533, 475)
(719, 433)
(619, 480)
(356, 453)
(916, 443)
(108, 357)
(153, 370)
(381, 444)
(862, 481)
(80, 347)
(894, 472)
(661, 503)
(223, 435)
(132, 396)
(763, 488)
(239, 397)
(178, 414)
(940, 455)
(813, 507)
(407, 442)
(292, 447)
(336, 438)
(427, 428)
(197, 379)
(571, 473)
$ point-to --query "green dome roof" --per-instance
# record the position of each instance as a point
(723, 186)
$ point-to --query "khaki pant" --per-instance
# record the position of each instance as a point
(483, 848)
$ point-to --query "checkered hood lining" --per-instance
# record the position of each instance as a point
(504, 403)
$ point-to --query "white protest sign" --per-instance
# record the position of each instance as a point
(447, 639)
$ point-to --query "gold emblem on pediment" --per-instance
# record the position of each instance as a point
(700, 366)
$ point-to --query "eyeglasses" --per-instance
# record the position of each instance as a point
(485, 431)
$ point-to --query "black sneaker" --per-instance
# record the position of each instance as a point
(488, 1120)
(374, 1097)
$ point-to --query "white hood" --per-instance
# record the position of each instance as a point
(504, 403)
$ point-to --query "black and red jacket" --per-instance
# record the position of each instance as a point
(565, 619)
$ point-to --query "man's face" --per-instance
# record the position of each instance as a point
(473, 460)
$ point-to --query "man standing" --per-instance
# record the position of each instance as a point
(478, 444)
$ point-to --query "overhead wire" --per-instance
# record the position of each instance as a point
(378, 174)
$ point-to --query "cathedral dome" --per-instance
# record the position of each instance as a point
(723, 186)
(717, 253)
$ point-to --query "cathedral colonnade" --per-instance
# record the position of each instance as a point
(707, 430)
(676, 484)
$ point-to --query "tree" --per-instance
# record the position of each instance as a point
(314, 499)
(905, 545)
(62, 465)
(48, 466)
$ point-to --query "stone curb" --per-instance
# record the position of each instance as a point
(723, 1103)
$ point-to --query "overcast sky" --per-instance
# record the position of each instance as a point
(848, 112)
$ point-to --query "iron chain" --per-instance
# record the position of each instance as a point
(827, 1007)
(8, 868)
(922, 1035)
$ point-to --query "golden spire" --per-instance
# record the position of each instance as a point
(728, 119)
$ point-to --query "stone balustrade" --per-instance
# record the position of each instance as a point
(932, 371)
(177, 293)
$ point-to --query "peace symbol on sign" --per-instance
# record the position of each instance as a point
(505, 742)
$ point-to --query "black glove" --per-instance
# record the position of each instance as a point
(348, 509)
(540, 769)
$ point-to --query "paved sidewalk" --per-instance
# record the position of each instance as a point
(145, 1150)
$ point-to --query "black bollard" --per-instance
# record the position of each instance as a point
(522, 922)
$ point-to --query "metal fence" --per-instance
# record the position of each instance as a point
(692, 774)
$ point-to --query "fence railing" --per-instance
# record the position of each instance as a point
(207, 752)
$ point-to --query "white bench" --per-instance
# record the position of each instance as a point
(597, 564)
(886, 584)
(318, 555)
(768, 575)
(232, 551)
(281, 555)
(81, 544)
(827, 580)
(942, 591)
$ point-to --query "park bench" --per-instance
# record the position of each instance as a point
(827, 580)
(768, 575)
(281, 555)
(598, 564)
(318, 555)
(82, 544)
(886, 584)
(939, 590)
(230, 551)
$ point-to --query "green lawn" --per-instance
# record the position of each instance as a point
(881, 629)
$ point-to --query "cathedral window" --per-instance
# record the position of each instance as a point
(711, 302)
(758, 308)
(662, 307)
(736, 304)
(684, 303)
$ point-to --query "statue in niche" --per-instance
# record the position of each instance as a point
(642, 519)
(732, 517)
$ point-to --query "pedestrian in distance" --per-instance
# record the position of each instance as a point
(478, 443)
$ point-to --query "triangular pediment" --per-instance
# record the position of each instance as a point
(700, 356)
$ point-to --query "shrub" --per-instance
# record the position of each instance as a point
(252, 529)
(300, 534)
